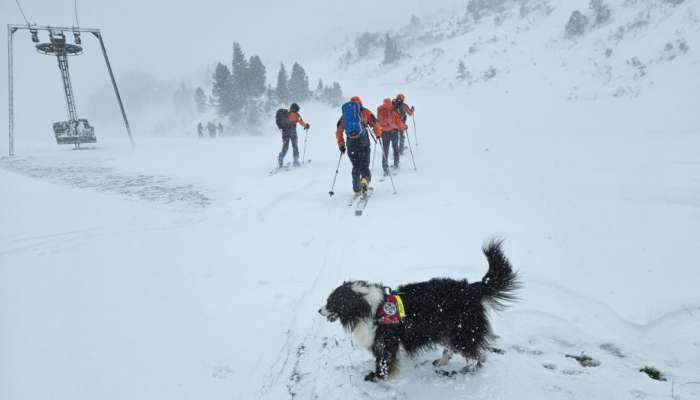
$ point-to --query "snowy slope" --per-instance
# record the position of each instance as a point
(644, 46)
(181, 270)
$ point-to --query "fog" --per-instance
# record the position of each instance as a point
(170, 42)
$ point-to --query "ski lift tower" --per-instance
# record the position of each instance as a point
(75, 130)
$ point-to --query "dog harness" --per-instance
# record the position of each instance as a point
(392, 311)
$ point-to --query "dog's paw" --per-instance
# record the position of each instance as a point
(371, 377)
(437, 363)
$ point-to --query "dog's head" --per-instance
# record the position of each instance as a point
(353, 302)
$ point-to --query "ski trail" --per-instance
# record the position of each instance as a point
(293, 342)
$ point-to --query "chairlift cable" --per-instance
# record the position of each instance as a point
(22, 12)
(75, 10)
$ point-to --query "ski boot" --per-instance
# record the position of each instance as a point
(296, 163)
(280, 160)
(364, 185)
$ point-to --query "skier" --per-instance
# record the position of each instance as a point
(355, 122)
(212, 129)
(288, 125)
(389, 127)
(403, 110)
(200, 129)
(220, 128)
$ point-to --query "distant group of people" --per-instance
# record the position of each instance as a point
(353, 135)
(212, 128)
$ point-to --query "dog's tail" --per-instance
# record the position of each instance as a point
(500, 283)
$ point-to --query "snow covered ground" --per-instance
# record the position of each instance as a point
(182, 270)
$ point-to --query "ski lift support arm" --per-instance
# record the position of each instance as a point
(11, 29)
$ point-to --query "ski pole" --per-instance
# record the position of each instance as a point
(371, 134)
(408, 139)
(384, 158)
(331, 192)
(415, 131)
(306, 137)
(374, 156)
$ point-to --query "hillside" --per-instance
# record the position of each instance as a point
(623, 49)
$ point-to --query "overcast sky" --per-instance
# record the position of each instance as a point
(176, 36)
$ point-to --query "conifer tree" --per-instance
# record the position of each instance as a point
(282, 88)
(222, 89)
(256, 76)
(391, 51)
(298, 84)
(200, 99)
(462, 73)
(239, 74)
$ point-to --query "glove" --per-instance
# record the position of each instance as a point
(342, 150)
(307, 127)
(413, 109)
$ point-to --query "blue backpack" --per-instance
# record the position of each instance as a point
(352, 119)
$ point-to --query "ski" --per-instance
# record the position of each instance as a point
(285, 167)
(353, 199)
(364, 198)
(383, 177)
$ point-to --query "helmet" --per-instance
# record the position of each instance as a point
(356, 99)
(294, 107)
(400, 97)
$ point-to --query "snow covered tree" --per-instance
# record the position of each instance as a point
(414, 22)
(478, 9)
(298, 84)
(600, 10)
(332, 95)
(336, 95)
(222, 89)
(200, 99)
(365, 43)
(256, 76)
(345, 60)
(239, 73)
(391, 51)
(462, 73)
(282, 88)
(577, 24)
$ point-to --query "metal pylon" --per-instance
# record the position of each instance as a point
(67, 86)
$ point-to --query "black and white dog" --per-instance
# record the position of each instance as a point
(419, 316)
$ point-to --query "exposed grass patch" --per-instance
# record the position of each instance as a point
(612, 349)
(584, 360)
(653, 373)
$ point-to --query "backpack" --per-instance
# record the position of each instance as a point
(399, 109)
(352, 118)
(282, 118)
(384, 116)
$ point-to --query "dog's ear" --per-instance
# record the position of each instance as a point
(354, 309)
(350, 305)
